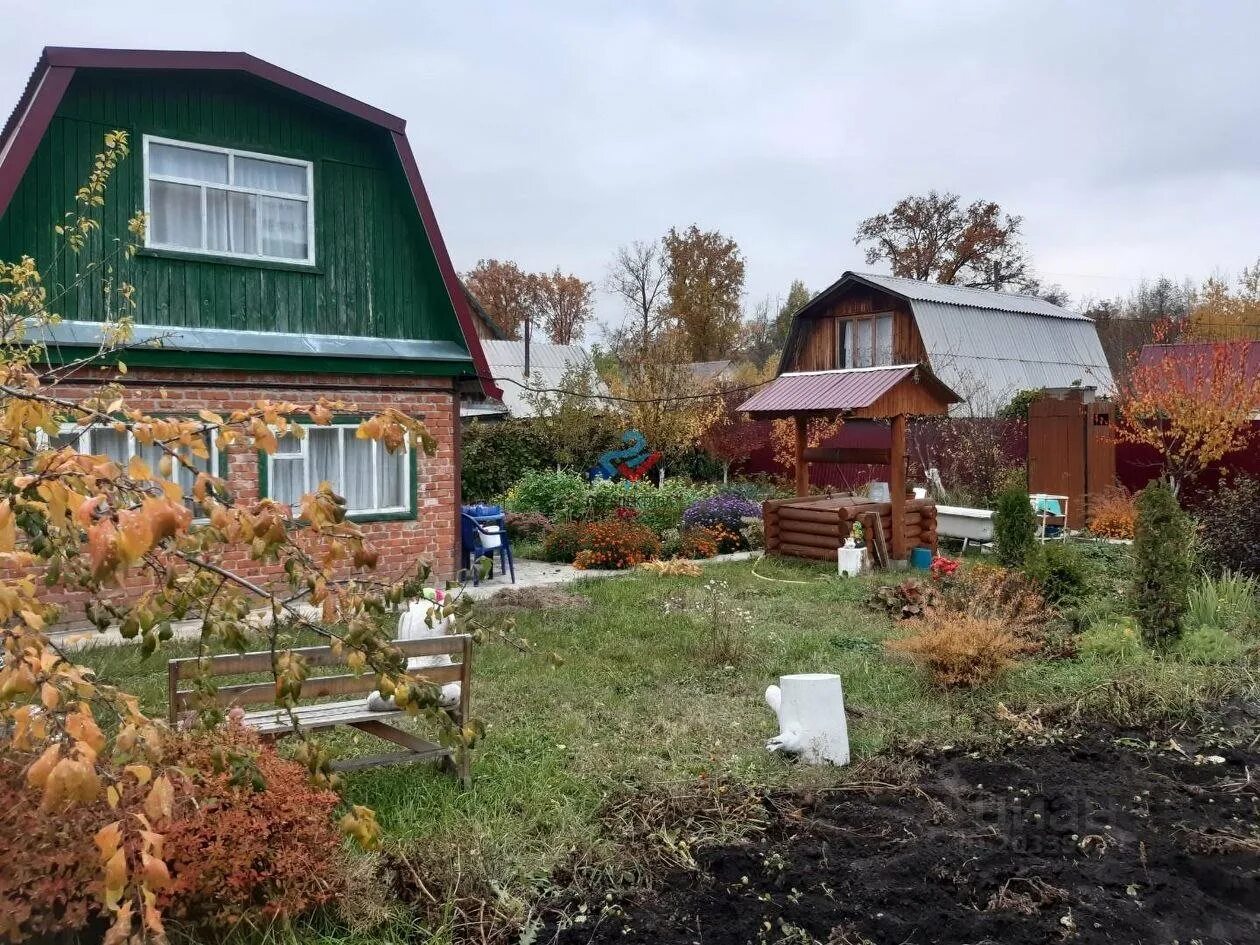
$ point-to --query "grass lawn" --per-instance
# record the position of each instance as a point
(634, 705)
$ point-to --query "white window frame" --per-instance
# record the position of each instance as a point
(309, 485)
(177, 470)
(232, 154)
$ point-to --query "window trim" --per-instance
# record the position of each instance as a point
(232, 154)
(843, 332)
(218, 460)
(403, 513)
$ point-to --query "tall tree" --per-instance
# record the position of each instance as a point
(638, 275)
(706, 280)
(797, 296)
(758, 342)
(933, 237)
(504, 291)
(1220, 314)
(561, 304)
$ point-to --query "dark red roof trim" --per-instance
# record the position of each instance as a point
(56, 67)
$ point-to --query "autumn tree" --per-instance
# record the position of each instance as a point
(504, 291)
(662, 399)
(122, 537)
(757, 342)
(706, 281)
(1219, 314)
(561, 304)
(798, 296)
(933, 237)
(639, 276)
(1192, 404)
(730, 435)
(574, 420)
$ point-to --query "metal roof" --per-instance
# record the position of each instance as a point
(989, 356)
(919, 291)
(829, 391)
(547, 366)
(76, 334)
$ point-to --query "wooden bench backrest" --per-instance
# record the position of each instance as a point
(458, 646)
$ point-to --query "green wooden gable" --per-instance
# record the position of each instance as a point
(376, 273)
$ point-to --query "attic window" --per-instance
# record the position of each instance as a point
(865, 342)
(224, 202)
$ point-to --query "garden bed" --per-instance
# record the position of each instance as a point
(1087, 840)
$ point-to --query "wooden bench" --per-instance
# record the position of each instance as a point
(274, 722)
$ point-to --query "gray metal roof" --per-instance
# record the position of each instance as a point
(547, 364)
(77, 334)
(918, 291)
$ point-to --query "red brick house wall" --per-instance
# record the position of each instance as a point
(434, 534)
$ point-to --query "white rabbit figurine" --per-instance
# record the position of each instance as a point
(412, 626)
(810, 707)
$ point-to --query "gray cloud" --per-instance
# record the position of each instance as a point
(1127, 133)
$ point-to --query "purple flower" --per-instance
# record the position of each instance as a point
(727, 509)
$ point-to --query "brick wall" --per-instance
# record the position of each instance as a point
(433, 536)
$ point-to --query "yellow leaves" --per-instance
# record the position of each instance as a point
(83, 728)
(154, 872)
(37, 774)
(142, 773)
(360, 823)
(160, 800)
(50, 696)
(138, 469)
(8, 527)
(72, 780)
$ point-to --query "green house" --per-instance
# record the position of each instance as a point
(290, 253)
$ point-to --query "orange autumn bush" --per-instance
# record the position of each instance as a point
(1113, 514)
(958, 650)
(261, 843)
(698, 542)
(616, 544)
(248, 839)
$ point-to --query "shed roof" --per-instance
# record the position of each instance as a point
(845, 391)
(547, 365)
(987, 345)
(57, 65)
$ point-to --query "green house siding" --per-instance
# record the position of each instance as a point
(375, 274)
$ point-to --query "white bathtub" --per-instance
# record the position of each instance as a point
(956, 521)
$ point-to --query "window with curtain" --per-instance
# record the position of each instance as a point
(372, 480)
(224, 202)
(866, 342)
(120, 446)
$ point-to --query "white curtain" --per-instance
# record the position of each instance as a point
(175, 214)
(393, 476)
(884, 340)
(359, 477)
(324, 449)
(282, 228)
(270, 175)
(111, 443)
(858, 343)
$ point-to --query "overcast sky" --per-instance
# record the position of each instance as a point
(1127, 134)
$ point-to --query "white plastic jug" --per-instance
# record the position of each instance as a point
(490, 537)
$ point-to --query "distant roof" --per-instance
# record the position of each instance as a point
(987, 345)
(1198, 355)
(57, 65)
(481, 314)
(707, 370)
(547, 366)
(841, 390)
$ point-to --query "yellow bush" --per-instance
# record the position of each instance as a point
(959, 649)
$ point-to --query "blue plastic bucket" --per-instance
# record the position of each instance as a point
(921, 558)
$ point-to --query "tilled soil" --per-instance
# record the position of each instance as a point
(1088, 840)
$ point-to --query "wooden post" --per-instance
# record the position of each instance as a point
(897, 488)
(802, 466)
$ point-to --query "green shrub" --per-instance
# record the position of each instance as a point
(1229, 520)
(495, 454)
(1113, 641)
(1208, 645)
(563, 542)
(553, 494)
(1230, 602)
(1059, 570)
(1162, 565)
(1014, 527)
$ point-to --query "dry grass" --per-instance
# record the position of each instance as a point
(675, 567)
(959, 650)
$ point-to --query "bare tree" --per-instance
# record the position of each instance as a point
(934, 238)
(639, 276)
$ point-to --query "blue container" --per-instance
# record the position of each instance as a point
(921, 558)
(483, 511)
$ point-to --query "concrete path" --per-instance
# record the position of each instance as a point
(529, 573)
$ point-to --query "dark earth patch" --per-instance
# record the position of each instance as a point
(1088, 840)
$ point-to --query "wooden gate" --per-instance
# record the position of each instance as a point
(1070, 449)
